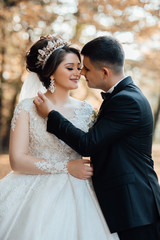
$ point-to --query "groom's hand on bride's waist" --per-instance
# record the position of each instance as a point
(80, 168)
(43, 104)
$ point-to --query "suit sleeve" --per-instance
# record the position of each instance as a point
(118, 121)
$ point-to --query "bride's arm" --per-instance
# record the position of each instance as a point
(18, 148)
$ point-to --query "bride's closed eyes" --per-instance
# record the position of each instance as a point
(70, 69)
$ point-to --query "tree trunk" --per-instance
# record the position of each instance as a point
(1, 84)
(156, 116)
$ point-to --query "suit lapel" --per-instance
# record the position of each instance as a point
(107, 96)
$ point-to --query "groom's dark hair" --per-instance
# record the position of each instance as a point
(105, 51)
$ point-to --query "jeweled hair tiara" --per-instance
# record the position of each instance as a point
(54, 43)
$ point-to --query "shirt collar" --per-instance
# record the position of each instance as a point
(112, 88)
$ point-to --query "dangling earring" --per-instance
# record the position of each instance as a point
(51, 87)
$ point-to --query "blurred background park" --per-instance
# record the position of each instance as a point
(135, 23)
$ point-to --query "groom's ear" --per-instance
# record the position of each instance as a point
(105, 71)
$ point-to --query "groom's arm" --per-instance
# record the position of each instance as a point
(120, 117)
(117, 122)
(65, 130)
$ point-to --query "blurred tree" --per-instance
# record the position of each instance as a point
(19, 28)
(134, 23)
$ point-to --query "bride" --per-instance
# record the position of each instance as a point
(40, 199)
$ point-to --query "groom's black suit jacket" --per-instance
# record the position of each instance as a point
(120, 145)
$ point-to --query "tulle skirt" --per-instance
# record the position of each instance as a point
(50, 207)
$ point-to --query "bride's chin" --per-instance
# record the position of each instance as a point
(75, 87)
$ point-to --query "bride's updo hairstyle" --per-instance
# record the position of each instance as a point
(45, 56)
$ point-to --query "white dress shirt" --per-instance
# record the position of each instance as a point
(112, 88)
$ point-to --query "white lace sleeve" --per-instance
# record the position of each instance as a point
(23, 105)
(49, 166)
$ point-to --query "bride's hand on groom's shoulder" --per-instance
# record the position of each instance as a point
(80, 168)
(43, 104)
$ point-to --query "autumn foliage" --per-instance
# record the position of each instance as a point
(134, 23)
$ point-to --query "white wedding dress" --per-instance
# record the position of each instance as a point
(54, 206)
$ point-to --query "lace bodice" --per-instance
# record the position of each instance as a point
(47, 146)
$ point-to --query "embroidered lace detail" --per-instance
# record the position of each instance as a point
(44, 145)
(93, 119)
(83, 115)
(23, 105)
(48, 167)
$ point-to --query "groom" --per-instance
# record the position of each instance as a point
(119, 144)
